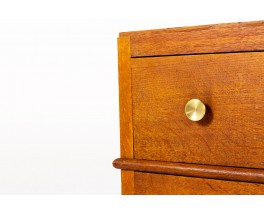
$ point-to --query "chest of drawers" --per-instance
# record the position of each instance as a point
(191, 110)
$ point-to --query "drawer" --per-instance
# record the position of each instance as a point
(157, 184)
(230, 85)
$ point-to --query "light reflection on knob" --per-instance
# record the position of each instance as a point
(195, 110)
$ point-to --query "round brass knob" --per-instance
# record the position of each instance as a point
(195, 109)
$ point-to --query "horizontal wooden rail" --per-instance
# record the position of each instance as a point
(220, 38)
(192, 170)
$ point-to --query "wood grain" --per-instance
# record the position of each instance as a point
(127, 179)
(228, 144)
(231, 86)
(125, 111)
(232, 37)
(193, 170)
(158, 184)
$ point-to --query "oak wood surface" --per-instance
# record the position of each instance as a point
(160, 184)
(232, 37)
(127, 179)
(125, 111)
(231, 86)
(193, 170)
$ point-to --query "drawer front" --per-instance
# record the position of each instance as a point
(155, 184)
(231, 86)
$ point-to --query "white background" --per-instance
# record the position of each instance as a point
(59, 127)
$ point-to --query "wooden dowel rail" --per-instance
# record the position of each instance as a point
(192, 170)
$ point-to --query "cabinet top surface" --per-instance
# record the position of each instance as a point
(196, 28)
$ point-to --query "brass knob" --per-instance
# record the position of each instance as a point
(195, 109)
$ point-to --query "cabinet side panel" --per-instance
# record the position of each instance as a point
(125, 111)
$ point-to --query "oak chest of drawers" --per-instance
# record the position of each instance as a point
(192, 110)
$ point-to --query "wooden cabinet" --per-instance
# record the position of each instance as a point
(164, 152)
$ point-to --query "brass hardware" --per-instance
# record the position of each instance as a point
(195, 109)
